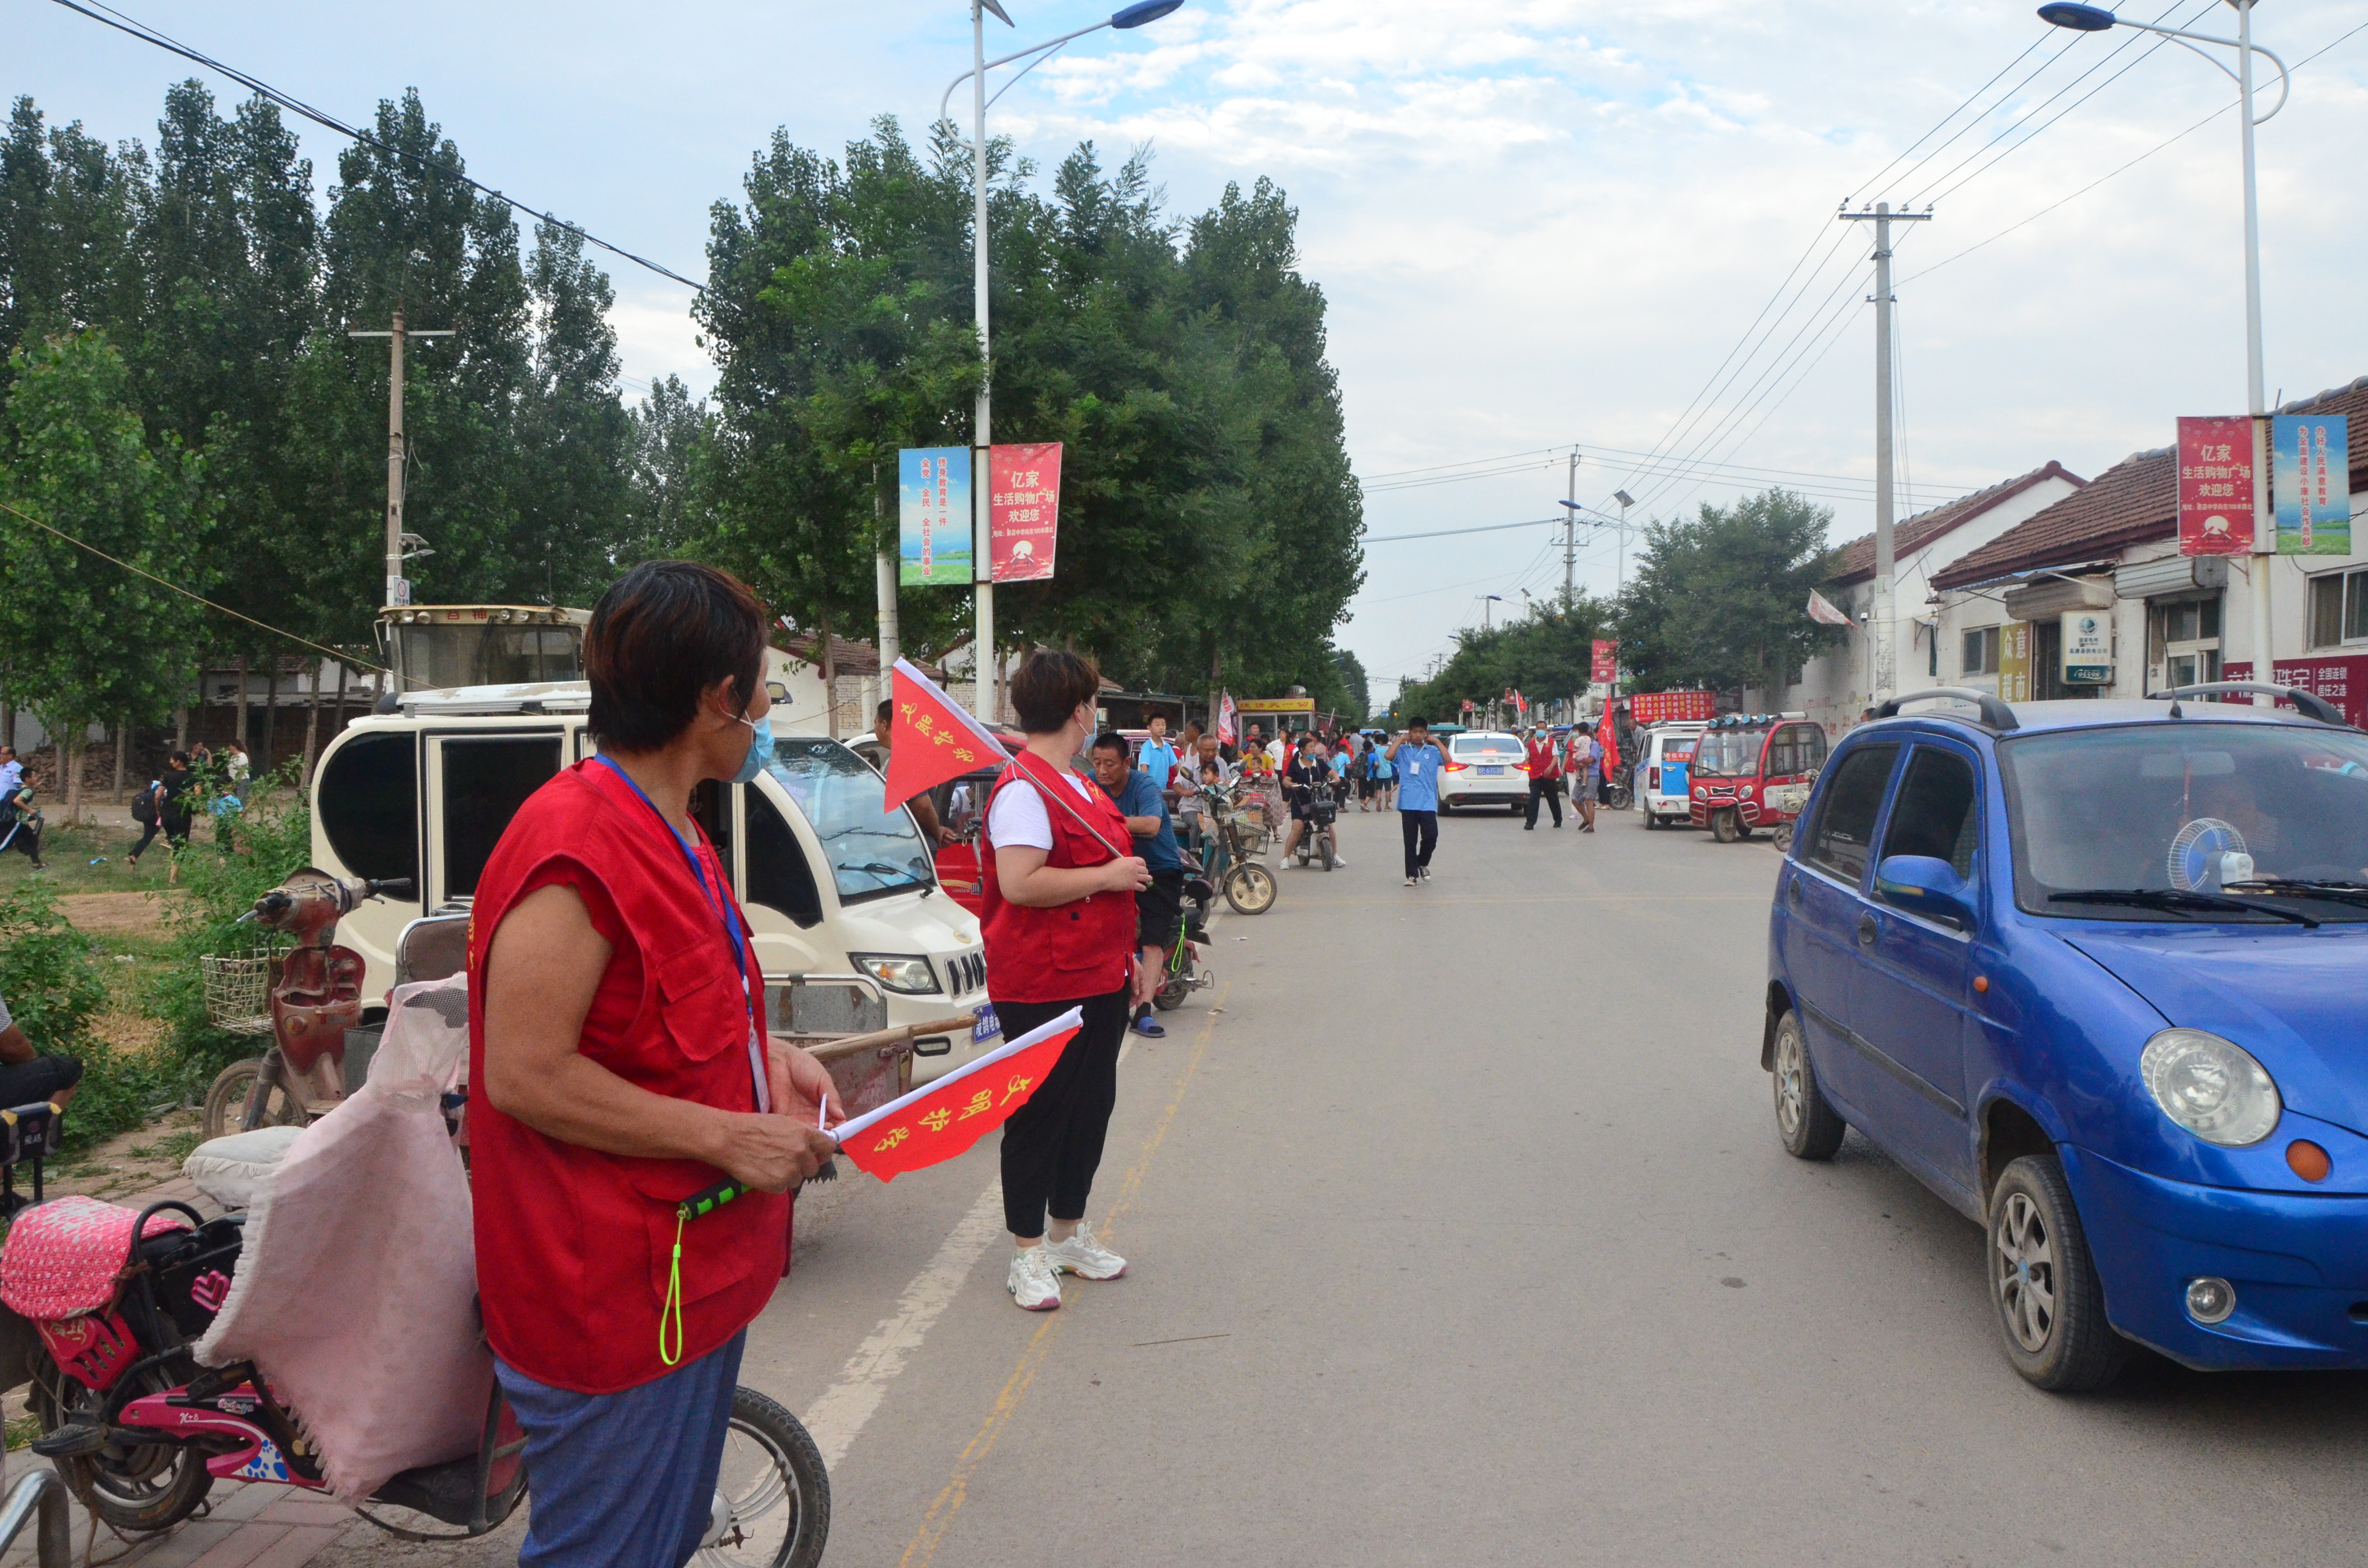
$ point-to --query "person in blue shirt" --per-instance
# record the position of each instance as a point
(1418, 764)
(1160, 908)
(1159, 757)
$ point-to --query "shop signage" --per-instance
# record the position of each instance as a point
(1605, 669)
(2215, 487)
(1023, 509)
(2087, 646)
(1277, 705)
(933, 517)
(2342, 681)
(2310, 474)
(1658, 707)
(2014, 662)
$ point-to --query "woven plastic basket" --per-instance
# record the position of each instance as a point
(238, 990)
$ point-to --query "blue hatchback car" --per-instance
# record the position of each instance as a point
(2097, 972)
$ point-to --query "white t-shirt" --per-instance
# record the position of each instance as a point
(1018, 816)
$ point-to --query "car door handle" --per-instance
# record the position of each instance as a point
(1792, 892)
(1869, 931)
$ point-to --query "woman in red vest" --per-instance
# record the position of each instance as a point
(618, 1065)
(1060, 923)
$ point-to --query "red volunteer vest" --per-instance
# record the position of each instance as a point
(1543, 762)
(575, 1247)
(1069, 953)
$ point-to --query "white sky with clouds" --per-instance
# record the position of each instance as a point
(1538, 221)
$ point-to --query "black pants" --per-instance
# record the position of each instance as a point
(1550, 790)
(175, 828)
(1053, 1145)
(29, 1083)
(1421, 831)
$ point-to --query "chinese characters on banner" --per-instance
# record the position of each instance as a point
(2342, 681)
(2215, 487)
(933, 517)
(2014, 661)
(1229, 724)
(2310, 474)
(1655, 707)
(1023, 509)
(1605, 668)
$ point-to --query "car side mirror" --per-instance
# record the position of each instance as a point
(1923, 885)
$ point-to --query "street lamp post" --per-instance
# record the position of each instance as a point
(2096, 18)
(981, 546)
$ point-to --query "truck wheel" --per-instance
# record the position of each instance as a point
(1726, 827)
(1809, 1127)
(2051, 1305)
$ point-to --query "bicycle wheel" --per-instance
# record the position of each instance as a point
(227, 1101)
(135, 1487)
(1249, 888)
(772, 1496)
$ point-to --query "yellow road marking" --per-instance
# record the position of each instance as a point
(940, 1517)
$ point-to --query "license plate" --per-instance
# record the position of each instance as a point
(1492, 773)
(983, 1025)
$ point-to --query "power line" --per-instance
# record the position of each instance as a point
(146, 34)
(2068, 41)
(1443, 533)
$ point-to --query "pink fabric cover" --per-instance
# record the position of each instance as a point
(65, 1257)
(356, 1287)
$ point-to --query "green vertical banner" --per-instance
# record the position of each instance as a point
(2310, 470)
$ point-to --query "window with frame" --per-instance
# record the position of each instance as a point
(1935, 814)
(2339, 608)
(1980, 656)
(1846, 816)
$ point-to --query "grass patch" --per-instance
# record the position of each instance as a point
(173, 1147)
(22, 1430)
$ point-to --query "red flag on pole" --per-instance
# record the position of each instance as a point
(930, 739)
(943, 1119)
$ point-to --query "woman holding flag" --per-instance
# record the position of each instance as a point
(1059, 921)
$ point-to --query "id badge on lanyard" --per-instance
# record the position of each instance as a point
(718, 901)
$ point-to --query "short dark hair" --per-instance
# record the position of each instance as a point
(1110, 740)
(1417, 722)
(887, 709)
(177, 758)
(1047, 689)
(663, 633)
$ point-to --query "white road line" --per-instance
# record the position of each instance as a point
(838, 1417)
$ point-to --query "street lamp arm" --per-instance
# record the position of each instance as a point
(2286, 83)
(1023, 71)
(946, 96)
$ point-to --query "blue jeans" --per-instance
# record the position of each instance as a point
(623, 1480)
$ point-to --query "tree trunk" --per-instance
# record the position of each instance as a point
(181, 724)
(829, 681)
(338, 726)
(242, 703)
(123, 750)
(69, 764)
(312, 726)
(271, 719)
(8, 725)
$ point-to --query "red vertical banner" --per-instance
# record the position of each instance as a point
(2215, 487)
(1605, 668)
(1023, 509)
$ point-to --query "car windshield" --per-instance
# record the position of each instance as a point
(1729, 751)
(871, 850)
(2188, 813)
(1677, 751)
(1490, 748)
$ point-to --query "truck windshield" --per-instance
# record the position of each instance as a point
(1728, 751)
(2267, 812)
(871, 850)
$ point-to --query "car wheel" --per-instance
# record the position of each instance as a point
(1782, 838)
(1808, 1126)
(1725, 826)
(2051, 1305)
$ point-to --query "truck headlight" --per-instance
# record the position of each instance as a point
(897, 971)
(2211, 1086)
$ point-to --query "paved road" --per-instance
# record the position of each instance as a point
(1459, 1233)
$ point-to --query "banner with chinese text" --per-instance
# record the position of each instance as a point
(2215, 487)
(933, 517)
(2014, 662)
(1023, 509)
(1658, 707)
(940, 1120)
(2342, 681)
(1604, 668)
(2310, 476)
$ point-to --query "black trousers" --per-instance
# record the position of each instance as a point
(1421, 831)
(1053, 1145)
(1550, 790)
(175, 825)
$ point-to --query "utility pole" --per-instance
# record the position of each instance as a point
(884, 572)
(982, 537)
(398, 591)
(1879, 649)
(1570, 539)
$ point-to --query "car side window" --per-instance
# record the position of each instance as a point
(1845, 818)
(1935, 814)
(1781, 754)
(1812, 743)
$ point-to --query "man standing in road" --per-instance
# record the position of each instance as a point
(1582, 764)
(1158, 759)
(1160, 908)
(1545, 778)
(1418, 764)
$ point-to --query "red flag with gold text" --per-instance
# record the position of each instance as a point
(930, 739)
(941, 1120)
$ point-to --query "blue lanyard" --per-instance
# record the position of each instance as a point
(725, 915)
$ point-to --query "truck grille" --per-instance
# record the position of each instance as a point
(967, 972)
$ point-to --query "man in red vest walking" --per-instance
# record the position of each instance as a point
(1545, 778)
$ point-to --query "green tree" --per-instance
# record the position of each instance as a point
(81, 637)
(666, 503)
(575, 436)
(66, 206)
(1357, 696)
(1545, 655)
(1719, 601)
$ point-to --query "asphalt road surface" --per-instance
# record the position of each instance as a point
(1459, 1233)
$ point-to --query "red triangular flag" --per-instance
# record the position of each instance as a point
(930, 739)
(946, 1118)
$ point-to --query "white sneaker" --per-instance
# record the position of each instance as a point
(1410, 882)
(1033, 1282)
(1426, 873)
(1084, 1256)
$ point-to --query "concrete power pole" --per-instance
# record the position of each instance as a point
(398, 591)
(885, 572)
(1879, 649)
(1570, 539)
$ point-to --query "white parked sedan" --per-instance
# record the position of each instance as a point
(1486, 768)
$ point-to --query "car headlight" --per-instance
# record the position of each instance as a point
(2211, 1086)
(899, 971)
